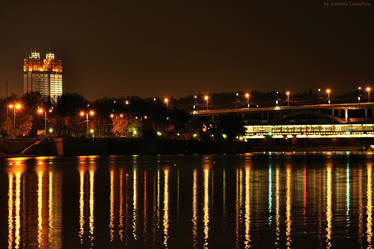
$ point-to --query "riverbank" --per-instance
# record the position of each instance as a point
(119, 146)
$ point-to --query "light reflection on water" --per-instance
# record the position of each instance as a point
(212, 201)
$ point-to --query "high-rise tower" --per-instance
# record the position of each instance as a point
(43, 76)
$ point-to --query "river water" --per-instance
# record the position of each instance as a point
(264, 200)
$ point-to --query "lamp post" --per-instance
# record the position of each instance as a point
(15, 107)
(41, 111)
(368, 89)
(206, 98)
(328, 91)
(288, 97)
(87, 114)
(166, 101)
(247, 95)
(194, 102)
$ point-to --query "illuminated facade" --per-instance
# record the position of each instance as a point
(43, 76)
(309, 131)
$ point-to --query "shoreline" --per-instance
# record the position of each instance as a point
(119, 146)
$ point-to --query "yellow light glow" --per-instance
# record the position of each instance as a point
(247, 95)
(247, 210)
(120, 223)
(206, 206)
(194, 209)
(329, 205)
(288, 93)
(288, 207)
(40, 110)
(18, 106)
(81, 170)
(81, 113)
(92, 113)
(112, 115)
(10, 210)
(10, 106)
(166, 207)
(91, 203)
(111, 216)
(368, 89)
(166, 100)
(206, 97)
(121, 115)
(40, 174)
(328, 90)
(369, 206)
(134, 203)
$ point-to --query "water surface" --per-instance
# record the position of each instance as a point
(271, 200)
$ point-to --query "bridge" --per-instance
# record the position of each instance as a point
(334, 113)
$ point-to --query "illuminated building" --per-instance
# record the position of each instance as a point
(43, 76)
(309, 131)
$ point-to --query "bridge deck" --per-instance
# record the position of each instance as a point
(350, 106)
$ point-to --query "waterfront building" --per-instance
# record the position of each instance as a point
(43, 76)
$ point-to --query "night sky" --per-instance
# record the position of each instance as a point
(176, 48)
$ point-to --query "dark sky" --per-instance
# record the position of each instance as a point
(175, 48)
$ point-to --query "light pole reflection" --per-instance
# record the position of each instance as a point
(111, 207)
(194, 209)
(134, 202)
(369, 233)
(247, 211)
(328, 206)
(81, 170)
(120, 223)
(91, 172)
(288, 207)
(206, 206)
(270, 194)
(348, 196)
(277, 222)
(166, 207)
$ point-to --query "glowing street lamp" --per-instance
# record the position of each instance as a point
(194, 102)
(247, 95)
(328, 91)
(288, 97)
(87, 114)
(166, 101)
(206, 98)
(368, 89)
(41, 111)
(15, 107)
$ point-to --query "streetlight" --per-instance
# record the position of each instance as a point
(41, 111)
(247, 95)
(166, 101)
(368, 89)
(328, 91)
(194, 102)
(87, 114)
(206, 98)
(288, 97)
(15, 107)
(237, 100)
